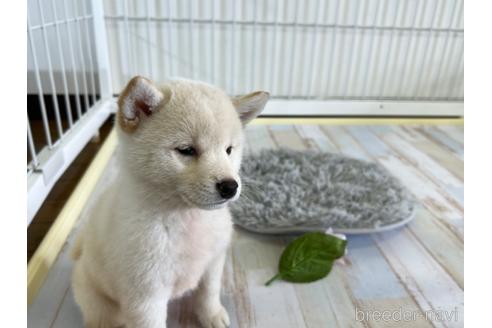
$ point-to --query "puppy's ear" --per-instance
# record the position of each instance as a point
(250, 105)
(140, 97)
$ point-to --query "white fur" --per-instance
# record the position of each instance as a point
(161, 228)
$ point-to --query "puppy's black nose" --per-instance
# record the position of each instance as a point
(227, 188)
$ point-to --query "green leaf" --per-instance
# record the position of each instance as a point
(309, 257)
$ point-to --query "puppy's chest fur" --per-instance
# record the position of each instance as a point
(195, 242)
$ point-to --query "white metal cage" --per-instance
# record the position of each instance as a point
(69, 88)
(345, 50)
(316, 57)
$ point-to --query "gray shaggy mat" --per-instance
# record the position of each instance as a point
(292, 191)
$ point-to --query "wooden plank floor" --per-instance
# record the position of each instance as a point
(415, 270)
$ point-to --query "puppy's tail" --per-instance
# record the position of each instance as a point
(77, 247)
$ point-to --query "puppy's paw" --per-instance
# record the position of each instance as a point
(217, 319)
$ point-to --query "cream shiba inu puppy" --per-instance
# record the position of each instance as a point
(162, 227)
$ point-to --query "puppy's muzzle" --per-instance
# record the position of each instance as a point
(227, 188)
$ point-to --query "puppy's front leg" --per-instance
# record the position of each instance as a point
(209, 309)
(150, 311)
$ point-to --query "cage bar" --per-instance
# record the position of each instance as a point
(459, 73)
(30, 145)
(377, 50)
(253, 47)
(371, 48)
(81, 56)
(74, 66)
(433, 52)
(274, 63)
(68, 107)
(294, 50)
(314, 45)
(396, 56)
(358, 64)
(390, 47)
(323, 26)
(44, 116)
(332, 50)
(58, 22)
(89, 51)
(150, 69)
(232, 82)
(50, 74)
(338, 60)
(428, 44)
(191, 40)
(445, 51)
(101, 49)
(408, 60)
(212, 48)
(352, 52)
(170, 39)
(128, 44)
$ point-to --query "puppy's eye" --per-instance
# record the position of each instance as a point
(229, 150)
(187, 151)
